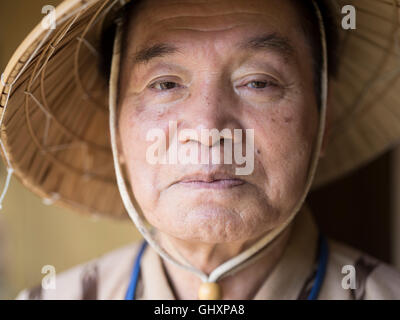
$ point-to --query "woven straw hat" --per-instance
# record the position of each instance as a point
(54, 124)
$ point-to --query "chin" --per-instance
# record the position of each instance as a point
(213, 224)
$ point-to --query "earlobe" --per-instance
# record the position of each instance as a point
(121, 156)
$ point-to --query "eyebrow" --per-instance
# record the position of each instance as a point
(271, 41)
(155, 51)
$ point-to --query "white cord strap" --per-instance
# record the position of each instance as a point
(233, 265)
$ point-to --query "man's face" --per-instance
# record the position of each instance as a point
(242, 64)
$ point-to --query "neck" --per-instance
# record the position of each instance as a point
(207, 257)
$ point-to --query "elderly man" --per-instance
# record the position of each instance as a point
(256, 72)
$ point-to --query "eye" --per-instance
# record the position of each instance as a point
(260, 84)
(164, 85)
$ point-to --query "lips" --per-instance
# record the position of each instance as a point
(216, 184)
(210, 181)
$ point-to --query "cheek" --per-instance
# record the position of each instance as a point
(132, 131)
(285, 141)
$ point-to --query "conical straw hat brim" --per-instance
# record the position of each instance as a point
(55, 129)
(366, 96)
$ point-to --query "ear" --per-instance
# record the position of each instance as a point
(121, 156)
(328, 121)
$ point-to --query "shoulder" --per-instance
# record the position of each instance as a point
(105, 277)
(353, 274)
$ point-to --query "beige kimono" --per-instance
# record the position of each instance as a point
(108, 276)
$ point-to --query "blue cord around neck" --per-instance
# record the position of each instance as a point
(323, 253)
(130, 293)
(321, 269)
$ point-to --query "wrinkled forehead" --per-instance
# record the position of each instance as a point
(154, 20)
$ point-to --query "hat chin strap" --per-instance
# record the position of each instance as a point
(249, 255)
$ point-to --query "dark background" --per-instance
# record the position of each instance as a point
(356, 209)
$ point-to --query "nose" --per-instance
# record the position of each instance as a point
(212, 105)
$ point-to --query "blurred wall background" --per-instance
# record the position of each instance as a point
(31, 233)
(362, 209)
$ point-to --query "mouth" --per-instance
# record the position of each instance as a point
(210, 181)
